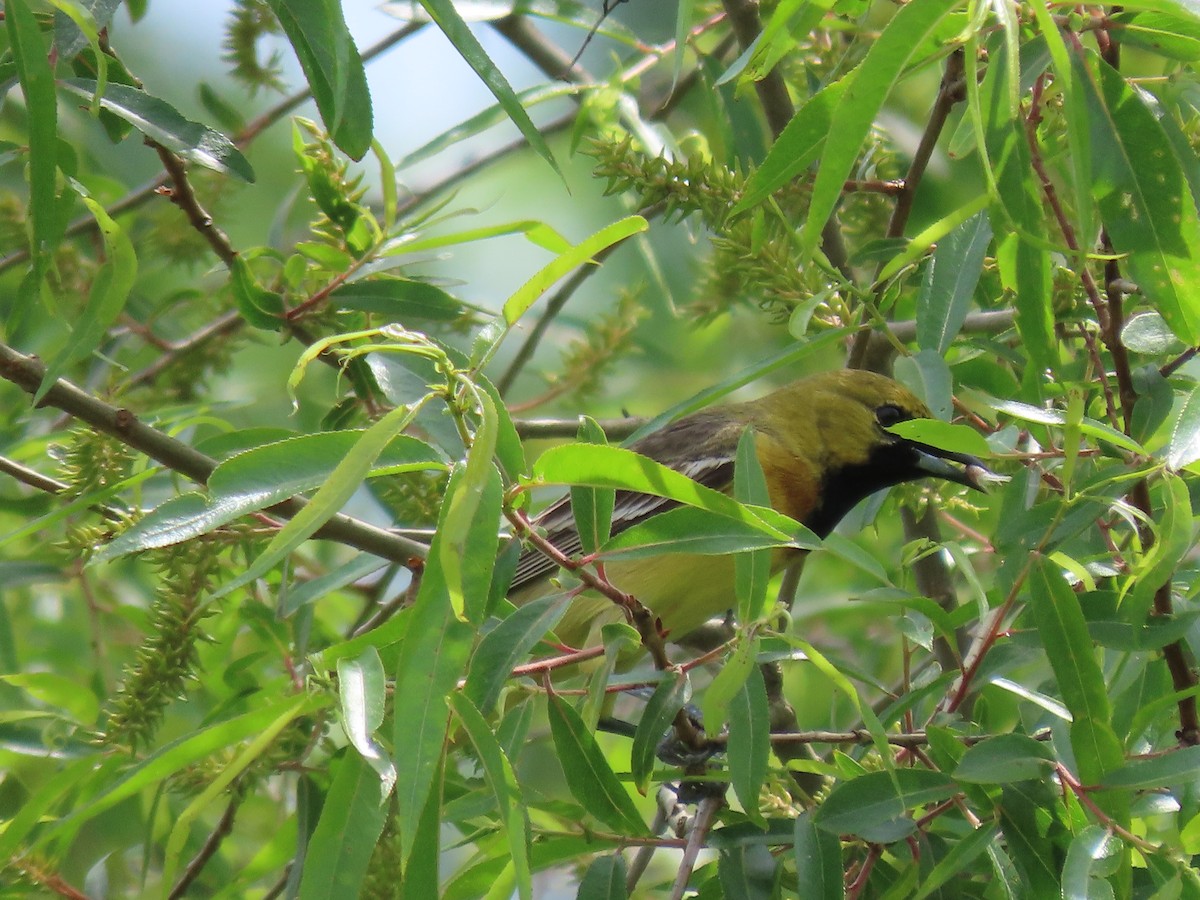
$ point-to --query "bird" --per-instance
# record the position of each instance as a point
(823, 445)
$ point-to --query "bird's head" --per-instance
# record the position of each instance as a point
(845, 416)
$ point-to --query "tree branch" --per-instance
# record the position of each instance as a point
(27, 372)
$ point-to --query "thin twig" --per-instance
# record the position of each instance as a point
(211, 845)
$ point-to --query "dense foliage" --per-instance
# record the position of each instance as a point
(262, 450)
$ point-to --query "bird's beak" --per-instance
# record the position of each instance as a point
(970, 472)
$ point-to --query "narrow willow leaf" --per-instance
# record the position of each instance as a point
(672, 692)
(161, 122)
(505, 646)
(317, 32)
(728, 681)
(1145, 202)
(949, 284)
(818, 859)
(604, 879)
(872, 805)
(432, 659)
(1165, 771)
(399, 299)
(362, 690)
(589, 776)
(752, 569)
(688, 529)
(592, 507)
(1172, 545)
(852, 119)
(747, 871)
(616, 467)
(447, 18)
(578, 255)
(1183, 448)
(37, 84)
(928, 376)
(498, 772)
(1083, 868)
(749, 747)
(961, 854)
(351, 821)
(1025, 840)
(338, 488)
(796, 147)
(944, 436)
(260, 477)
(1004, 758)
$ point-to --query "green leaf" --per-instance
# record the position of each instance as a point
(796, 147)
(818, 859)
(1004, 758)
(106, 300)
(260, 307)
(728, 682)
(505, 646)
(926, 374)
(1174, 37)
(1145, 202)
(1173, 543)
(161, 122)
(447, 18)
(1147, 332)
(256, 748)
(259, 478)
(1183, 448)
(1179, 766)
(59, 692)
(570, 259)
(337, 490)
(399, 299)
(498, 772)
(604, 879)
(351, 821)
(362, 690)
(432, 659)
(749, 747)
(949, 284)
(747, 871)
(592, 508)
(1020, 805)
(616, 467)
(671, 693)
(1083, 869)
(688, 529)
(752, 568)
(861, 102)
(961, 854)
(589, 777)
(872, 805)
(187, 751)
(1090, 427)
(317, 32)
(1063, 631)
(37, 84)
(944, 436)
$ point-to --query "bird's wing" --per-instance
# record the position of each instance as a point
(713, 469)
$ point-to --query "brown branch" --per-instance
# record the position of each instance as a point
(27, 372)
(182, 195)
(211, 845)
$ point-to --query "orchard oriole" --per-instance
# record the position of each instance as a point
(822, 445)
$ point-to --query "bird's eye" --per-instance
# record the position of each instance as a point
(889, 414)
